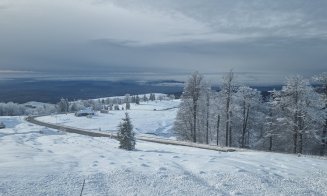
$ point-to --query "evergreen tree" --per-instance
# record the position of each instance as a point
(126, 136)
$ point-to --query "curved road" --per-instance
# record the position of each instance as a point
(32, 119)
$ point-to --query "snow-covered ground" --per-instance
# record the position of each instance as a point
(40, 161)
(153, 117)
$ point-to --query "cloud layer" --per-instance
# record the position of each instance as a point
(172, 36)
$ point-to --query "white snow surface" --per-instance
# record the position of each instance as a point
(40, 161)
(153, 117)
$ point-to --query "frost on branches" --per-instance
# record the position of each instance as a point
(126, 136)
(290, 120)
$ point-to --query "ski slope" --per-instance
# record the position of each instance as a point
(40, 161)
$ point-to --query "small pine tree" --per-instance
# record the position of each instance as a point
(126, 136)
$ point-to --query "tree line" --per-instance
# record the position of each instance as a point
(292, 119)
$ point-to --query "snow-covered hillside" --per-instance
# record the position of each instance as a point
(153, 117)
(39, 161)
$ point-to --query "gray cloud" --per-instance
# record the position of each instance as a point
(83, 36)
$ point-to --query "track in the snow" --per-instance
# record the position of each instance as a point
(32, 119)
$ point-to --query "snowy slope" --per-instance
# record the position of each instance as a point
(153, 117)
(40, 161)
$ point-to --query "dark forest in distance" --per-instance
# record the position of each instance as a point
(50, 91)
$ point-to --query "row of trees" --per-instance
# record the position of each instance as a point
(64, 106)
(292, 119)
(14, 109)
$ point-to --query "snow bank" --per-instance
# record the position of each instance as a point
(39, 161)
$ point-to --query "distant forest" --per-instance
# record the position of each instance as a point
(51, 91)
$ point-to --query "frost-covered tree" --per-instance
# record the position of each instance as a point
(183, 125)
(145, 98)
(152, 97)
(270, 126)
(204, 114)
(76, 106)
(12, 109)
(127, 98)
(218, 108)
(126, 135)
(187, 117)
(248, 102)
(301, 109)
(228, 89)
(128, 106)
(172, 97)
(137, 99)
(322, 80)
(73, 107)
(63, 105)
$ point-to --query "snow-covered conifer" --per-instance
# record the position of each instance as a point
(126, 136)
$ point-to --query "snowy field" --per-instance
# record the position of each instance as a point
(39, 161)
(153, 117)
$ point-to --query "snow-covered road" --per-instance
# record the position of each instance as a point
(40, 161)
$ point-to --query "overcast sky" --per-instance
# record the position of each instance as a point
(170, 36)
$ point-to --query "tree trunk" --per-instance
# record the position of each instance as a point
(218, 124)
(243, 126)
(324, 140)
(300, 134)
(208, 105)
(194, 122)
(295, 132)
(295, 142)
(270, 143)
(230, 131)
(227, 130)
(300, 142)
(245, 122)
(227, 117)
